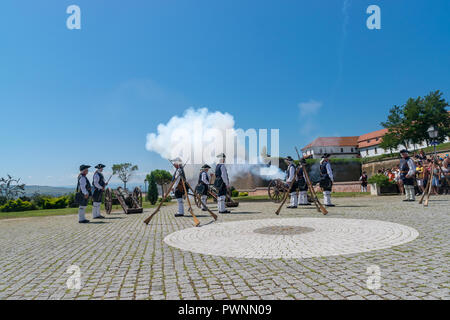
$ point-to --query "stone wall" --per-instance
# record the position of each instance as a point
(372, 167)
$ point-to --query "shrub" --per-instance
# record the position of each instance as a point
(168, 199)
(380, 179)
(38, 199)
(55, 203)
(152, 194)
(71, 203)
(234, 193)
(3, 200)
(243, 194)
(17, 205)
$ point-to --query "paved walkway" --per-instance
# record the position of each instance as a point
(122, 258)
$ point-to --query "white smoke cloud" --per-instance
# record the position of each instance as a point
(198, 136)
(183, 136)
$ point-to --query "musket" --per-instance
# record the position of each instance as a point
(195, 195)
(319, 205)
(287, 191)
(146, 221)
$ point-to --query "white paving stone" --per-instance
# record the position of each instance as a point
(328, 237)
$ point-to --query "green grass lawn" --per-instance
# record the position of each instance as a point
(65, 211)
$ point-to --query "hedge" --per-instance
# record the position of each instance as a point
(18, 205)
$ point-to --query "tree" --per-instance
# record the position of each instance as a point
(124, 172)
(161, 177)
(152, 194)
(390, 142)
(434, 113)
(10, 188)
(408, 124)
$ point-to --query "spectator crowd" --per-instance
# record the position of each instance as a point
(439, 174)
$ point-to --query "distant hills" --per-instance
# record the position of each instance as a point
(52, 191)
(60, 191)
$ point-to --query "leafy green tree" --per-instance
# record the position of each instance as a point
(161, 177)
(152, 194)
(124, 171)
(397, 125)
(408, 124)
(434, 113)
(390, 142)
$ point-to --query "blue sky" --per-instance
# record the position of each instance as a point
(86, 96)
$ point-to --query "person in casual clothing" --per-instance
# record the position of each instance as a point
(436, 175)
(419, 177)
(363, 180)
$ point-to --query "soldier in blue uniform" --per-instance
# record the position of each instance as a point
(203, 185)
(179, 177)
(326, 179)
(222, 183)
(302, 186)
(83, 193)
(291, 177)
(99, 186)
(407, 174)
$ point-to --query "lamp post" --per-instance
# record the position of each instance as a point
(433, 133)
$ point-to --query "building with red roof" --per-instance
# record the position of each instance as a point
(340, 147)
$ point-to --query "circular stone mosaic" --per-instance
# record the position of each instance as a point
(291, 237)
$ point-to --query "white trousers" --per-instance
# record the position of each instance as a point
(293, 199)
(327, 197)
(204, 199)
(180, 206)
(81, 213)
(221, 203)
(96, 209)
(409, 192)
(363, 189)
(303, 197)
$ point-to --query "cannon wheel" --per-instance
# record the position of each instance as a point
(197, 198)
(108, 201)
(276, 190)
(137, 194)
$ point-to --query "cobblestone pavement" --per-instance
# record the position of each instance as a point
(122, 258)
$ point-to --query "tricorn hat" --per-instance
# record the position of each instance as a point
(100, 166)
(84, 167)
(404, 151)
(205, 166)
(221, 155)
(289, 158)
(326, 155)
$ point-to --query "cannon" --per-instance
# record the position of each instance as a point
(276, 190)
(229, 202)
(130, 202)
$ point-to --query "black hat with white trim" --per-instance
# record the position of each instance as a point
(100, 166)
(84, 167)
